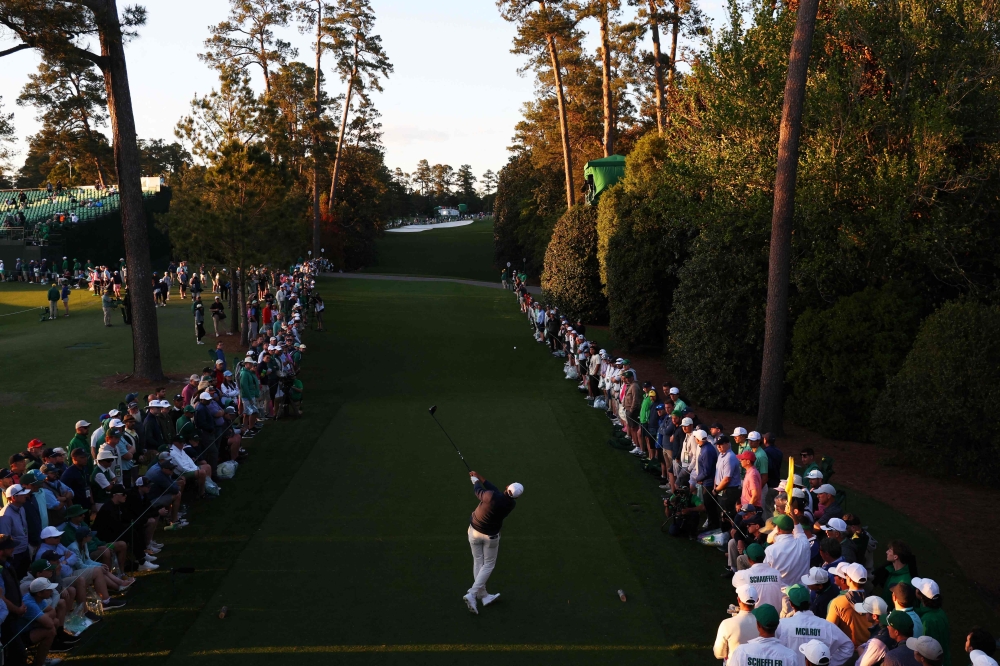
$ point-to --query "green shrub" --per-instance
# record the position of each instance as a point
(842, 357)
(571, 279)
(526, 207)
(941, 412)
(717, 323)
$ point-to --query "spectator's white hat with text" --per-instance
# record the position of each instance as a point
(816, 652)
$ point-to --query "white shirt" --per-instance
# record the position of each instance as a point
(804, 626)
(767, 580)
(872, 652)
(182, 460)
(980, 658)
(733, 632)
(763, 651)
(689, 451)
(789, 554)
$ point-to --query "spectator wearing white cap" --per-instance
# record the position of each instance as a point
(186, 467)
(765, 649)
(803, 627)
(836, 528)
(826, 503)
(932, 616)
(740, 628)
(981, 646)
(872, 652)
(789, 553)
(37, 624)
(926, 650)
(14, 523)
(815, 653)
(904, 598)
(103, 477)
(702, 472)
(842, 609)
(760, 463)
(680, 407)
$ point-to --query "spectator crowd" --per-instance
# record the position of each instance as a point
(81, 522)
(807, 587)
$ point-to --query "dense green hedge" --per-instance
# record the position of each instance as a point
(571, 278)
(843, 356)
(525, 210)
(942, 410)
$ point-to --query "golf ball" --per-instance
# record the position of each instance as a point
(515, 347)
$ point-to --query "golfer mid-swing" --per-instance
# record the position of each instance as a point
(484, 534)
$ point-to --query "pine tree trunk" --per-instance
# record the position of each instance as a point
(563, 123)
(772, 379)
(343, 130)
(317, 231)
(657, 66)
(244, 320)
(674, 29)
(609, 120)
(145, 336)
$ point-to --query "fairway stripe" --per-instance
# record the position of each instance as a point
(118, 655)
(444, 647)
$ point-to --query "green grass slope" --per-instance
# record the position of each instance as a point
(462, 252)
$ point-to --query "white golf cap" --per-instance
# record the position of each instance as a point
(840, 570)
(826, 489)
(927, 587)
(739, 431)
(50, 532)
(687, 421)
(194, 378)
(814, 474)
(516, 489)
(834, 524)
(798, 492)
(219, 362)
(105, 454)
(856, 572)
(754, 436)
(82, 424)
(796, 479)
(926, 647)
(116, 423)
(874, 605)
(816, 576)
(747, 594)
(165, 404)
(41, 584)
(674, 390)
(741, 578)
(816, 652)
(205, 395)
(113, 413)
(15, 490)
(700, 434)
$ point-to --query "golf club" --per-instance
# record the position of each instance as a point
(431, 412)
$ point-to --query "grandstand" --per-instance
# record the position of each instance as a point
(34, 215)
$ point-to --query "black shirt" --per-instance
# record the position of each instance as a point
(494, 506)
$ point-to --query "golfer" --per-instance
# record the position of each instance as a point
(484, 534)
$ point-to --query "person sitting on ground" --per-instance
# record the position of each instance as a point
(765, 649)
(803, 626)
(113, 522)
(739, 629)
(167, 490)
(103, 476)
(37, 623)
(186, 467)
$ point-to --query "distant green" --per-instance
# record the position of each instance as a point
(462, 252)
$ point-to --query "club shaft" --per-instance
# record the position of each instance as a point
(452, 442)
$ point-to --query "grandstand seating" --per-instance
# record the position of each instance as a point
(44, 213)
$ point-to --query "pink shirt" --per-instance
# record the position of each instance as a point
(751, 488)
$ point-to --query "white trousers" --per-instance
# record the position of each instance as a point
(484, 559)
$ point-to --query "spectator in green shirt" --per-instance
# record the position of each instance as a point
(932, 615)
(53, 301)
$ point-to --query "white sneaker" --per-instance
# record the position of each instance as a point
(490, 598)
(148, 566)
(152, 550)
(150, 558)
(470, 602)
(156, 544)
(635, 451)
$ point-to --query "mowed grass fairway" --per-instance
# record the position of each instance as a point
(342, 540)
(452, 252)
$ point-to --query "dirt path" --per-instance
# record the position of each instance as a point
(940, 505)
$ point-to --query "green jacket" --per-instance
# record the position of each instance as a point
(54, 294)
(80, 442)
(936, 626)
(895, 578)
(249, 387)
(647, 404)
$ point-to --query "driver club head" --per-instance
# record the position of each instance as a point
(432, 409)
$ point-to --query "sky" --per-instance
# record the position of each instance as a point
(454, 97)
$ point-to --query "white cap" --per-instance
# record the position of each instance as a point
(50, 532)
(816, 576)
(741, 578)
(856, 572)
(754, 436)
(516, 489)
(814, 474)
(927, 587)
(41, 584)
(700, 434)
(105, 454)
(840, 570)
(816, 652)
(16, 489)
(113, 413)
(747, 594)
(739, 431)
(116, 423)
(194, 378)
(82, 424)
(874, 605)
(796, 479)
(205, 396)
(674, 390)
(687, 421)
(834, 524)
(826, 489)
(798, 492)
(926, 647)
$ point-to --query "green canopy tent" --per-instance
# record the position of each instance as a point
(602, 174)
